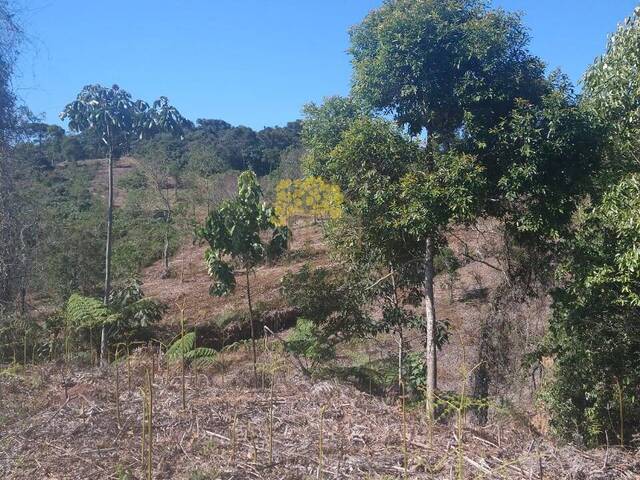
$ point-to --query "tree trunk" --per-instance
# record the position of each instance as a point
(107, 266)
(165, 255)
(253, 336)
(396, 304)
(430, 313)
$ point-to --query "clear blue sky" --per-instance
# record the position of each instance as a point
(250, 62)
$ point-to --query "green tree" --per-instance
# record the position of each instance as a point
(611, 92)
(451, 69)
(113, 115)
(594, 336)
(398, 197)
(233, 232)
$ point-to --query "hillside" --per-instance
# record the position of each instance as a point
(432, 275)
(64, 425)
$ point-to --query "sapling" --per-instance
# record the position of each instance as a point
(405, 453)
(150, 427)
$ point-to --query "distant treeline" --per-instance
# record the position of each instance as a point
(208, 147)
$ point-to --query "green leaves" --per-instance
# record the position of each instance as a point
(87, 312)
(221, 272)
(542, 162)
(233, 231)
(594, 332)
(128, 312)
(451, 192)
(443, 65)
(184, 347)
(113, 115)
(612, 91)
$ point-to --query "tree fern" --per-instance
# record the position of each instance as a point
(201, 355)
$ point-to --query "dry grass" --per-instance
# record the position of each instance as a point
(190, 279)
(224, 433)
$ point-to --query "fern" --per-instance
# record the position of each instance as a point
(187, 346)
(87, 312)
(200, 353)
(181, 346)
(201, 356)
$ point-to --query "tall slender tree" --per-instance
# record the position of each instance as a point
(118, 120)
(233, 232)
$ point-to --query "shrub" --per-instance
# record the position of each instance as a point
(309, 342)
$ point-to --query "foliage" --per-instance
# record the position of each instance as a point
(86, 312)
(546, 155)
(611, 91)
(129, 314)
(185, 347)
(447, 66)
(594, 334)
(234, 229)
(322, 130)
(70, 229)
(309, 341)
(594, 337)
(135, 312)
(119, 120)
(309, 197)
(332, 299)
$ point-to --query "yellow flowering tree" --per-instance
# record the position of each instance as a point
(310, 197)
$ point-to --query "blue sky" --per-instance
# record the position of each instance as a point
(250, 62)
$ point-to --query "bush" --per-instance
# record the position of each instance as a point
(594, 335)
(309, 342)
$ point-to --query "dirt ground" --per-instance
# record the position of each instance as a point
(319, 429)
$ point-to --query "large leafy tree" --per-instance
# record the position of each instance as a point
(233, 232)
(501, 138)
(451, 69)
(398, 197)
(118, 120)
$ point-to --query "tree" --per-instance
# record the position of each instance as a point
(594, 336)
(398, 196)
(233, 231)
(161, 161)
(10, 202)
(453, 69)
(112, 114)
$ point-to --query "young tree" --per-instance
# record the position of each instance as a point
(234, 231)
(161, 162)
(113, 115)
